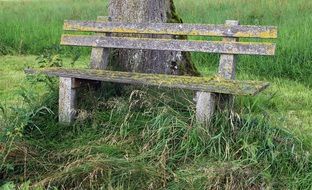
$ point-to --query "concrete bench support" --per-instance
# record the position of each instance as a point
(207, 102)
(67, 100)
(67, 93)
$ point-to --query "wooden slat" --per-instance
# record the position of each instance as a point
(204, 84)
(242, 31)
(169, 44)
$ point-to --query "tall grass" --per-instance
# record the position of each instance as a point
(148, 139)
(28, 27)
(293, 18)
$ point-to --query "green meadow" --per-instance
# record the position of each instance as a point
(147, 138)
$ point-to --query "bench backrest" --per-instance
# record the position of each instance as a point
(176, 29)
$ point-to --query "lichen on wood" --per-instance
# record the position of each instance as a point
(204, 84)
(244, 48)
(178, 29)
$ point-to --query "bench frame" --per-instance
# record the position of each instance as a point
(206, 102)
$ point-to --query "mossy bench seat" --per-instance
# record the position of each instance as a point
(207, 87)
(204, 84)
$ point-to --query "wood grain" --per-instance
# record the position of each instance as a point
(241, 31)
(247, 48)
(204, 84)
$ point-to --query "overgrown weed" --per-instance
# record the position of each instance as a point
(148, 139)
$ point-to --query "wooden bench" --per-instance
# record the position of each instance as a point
(207, 87)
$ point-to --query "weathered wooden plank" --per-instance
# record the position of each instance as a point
(67, 100)
(205, 84)
(247, 48)
(246, 31)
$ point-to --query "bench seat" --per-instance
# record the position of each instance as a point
(204, 84)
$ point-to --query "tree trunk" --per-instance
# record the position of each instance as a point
(148, 61)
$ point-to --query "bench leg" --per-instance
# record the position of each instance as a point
(205, 106)
(100, 56)
(208, 102)
(67, 100)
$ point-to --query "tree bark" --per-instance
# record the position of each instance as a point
(148, 61)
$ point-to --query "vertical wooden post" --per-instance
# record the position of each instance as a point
(67, 100)
(100, 56)
(207, 102)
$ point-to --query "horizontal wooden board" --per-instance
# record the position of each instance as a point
(240, 31)
(205, 84)
(170, 44)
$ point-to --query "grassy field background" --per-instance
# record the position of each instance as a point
(128, 142)
(28, 27)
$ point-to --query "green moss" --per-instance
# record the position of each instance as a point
(210, 84)
(186, 66)
(172, 15)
